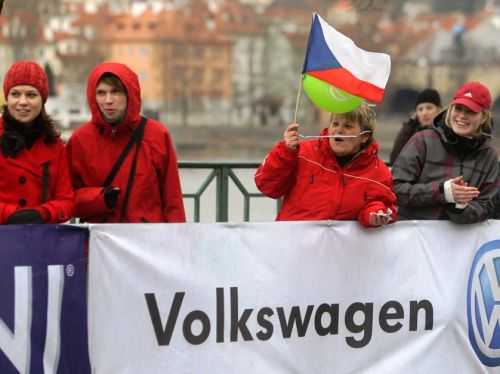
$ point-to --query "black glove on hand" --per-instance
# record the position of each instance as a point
(25, 216)
(111, 196)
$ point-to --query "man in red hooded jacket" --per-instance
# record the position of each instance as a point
(148, 191)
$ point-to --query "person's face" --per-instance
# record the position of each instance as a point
(346, 146)
(426, 113)
(24, 103)
(112, 102)
(464, 121)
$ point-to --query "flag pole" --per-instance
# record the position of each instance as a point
(297, 100)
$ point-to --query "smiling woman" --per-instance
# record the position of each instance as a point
(24, 103)
(337, 176)
(35, 185)
(450, 171)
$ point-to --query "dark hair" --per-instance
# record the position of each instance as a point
(113, 81)
(45, 122)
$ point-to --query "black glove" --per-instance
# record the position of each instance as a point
(25, 216)
(111, 196)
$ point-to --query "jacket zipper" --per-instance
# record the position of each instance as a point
(339, 200)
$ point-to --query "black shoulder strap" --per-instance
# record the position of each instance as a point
(136, 137)
(132, 170)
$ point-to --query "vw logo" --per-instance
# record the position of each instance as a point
(483, 303)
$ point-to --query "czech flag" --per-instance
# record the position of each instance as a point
(334, 58)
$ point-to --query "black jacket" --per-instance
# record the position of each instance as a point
(408, 129)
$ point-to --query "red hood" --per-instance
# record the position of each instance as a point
(131, 83)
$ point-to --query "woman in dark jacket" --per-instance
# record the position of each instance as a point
(35, 186)
(427, 107)
(450, 171)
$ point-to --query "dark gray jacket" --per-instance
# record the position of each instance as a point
(435, 155)
(408, 129)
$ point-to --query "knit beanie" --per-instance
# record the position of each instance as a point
(429, 95)
(26, 73)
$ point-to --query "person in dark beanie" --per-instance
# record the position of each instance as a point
(450, 170)
(35, 186)
(427, 106)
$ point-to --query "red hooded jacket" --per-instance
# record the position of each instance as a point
(316, 187)
(21, 182)
(93, 149)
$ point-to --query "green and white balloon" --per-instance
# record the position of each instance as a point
(328, 97)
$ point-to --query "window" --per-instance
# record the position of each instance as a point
(197, 75)
(180, 51)
(198, 51)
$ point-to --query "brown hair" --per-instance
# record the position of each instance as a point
(113, 81)
(48, 125)
(364, 115)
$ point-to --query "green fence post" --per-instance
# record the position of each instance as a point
(222, 194)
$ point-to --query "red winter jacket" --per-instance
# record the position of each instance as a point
(316, 187)
(93, 149)
(21, 182)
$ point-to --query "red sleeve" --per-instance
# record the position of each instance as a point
(173, 205)
(276, 174)
(5, 211)
(60, 207)
(89, 201)
(380, 196)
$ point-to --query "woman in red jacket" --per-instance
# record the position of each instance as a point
(337, 176)
(35, 186)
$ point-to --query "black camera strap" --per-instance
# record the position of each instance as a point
(136, 138)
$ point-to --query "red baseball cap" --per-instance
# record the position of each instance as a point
(474, 96)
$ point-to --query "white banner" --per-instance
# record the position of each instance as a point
(294, 297)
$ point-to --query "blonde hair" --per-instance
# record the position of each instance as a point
(484, 128)
(364, 115)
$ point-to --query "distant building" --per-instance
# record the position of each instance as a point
(443, 61)
(183, 63)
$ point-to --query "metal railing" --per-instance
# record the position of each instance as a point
(222, 172)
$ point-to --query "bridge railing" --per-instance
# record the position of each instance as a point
(223, 174)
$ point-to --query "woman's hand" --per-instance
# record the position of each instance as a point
(462, 193)
(291, 136)
(380, 218)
